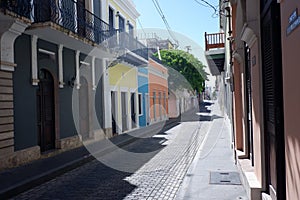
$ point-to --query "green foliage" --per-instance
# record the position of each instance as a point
(187, 65)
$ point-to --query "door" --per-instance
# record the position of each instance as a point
(154, 105)
(113, 113)
(122, 36)
(84, 109)
(273, 105)
(133, 110)
(42, 11)
(165, 105)
(81, 18)
(147, 109)
(124, 111)
(97, 22)
(68, 21)
(160, 105)
(248, 91)
(46, 110)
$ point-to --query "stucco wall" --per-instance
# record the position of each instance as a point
(158, 82)
(291, 95)
(257, 113)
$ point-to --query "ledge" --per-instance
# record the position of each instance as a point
(249, 179)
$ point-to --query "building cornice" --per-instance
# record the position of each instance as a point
(128, 7)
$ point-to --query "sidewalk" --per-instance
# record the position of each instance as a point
(19, 179)
(213, 174)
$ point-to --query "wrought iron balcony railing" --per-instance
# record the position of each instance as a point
(72, 16)
(21, 8)
(214, 40)
(131, 43)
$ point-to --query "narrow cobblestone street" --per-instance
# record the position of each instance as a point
(158, 176)
(166, 169)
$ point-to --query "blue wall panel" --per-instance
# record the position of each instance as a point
(143, 89)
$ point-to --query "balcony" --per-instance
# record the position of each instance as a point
(17, 8)
(72, 16)
(68, 22)
(129, 48)
(215, 52)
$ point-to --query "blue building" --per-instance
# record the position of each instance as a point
(143, 96)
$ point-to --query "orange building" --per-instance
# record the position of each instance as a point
(158, 91)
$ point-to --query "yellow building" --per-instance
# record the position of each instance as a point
(130, 53)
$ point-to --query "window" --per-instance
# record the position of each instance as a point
(111, 18)
(130, 28)
(121, 24)
(97, 8)
(140, 104)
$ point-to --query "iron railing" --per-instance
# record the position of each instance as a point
(214, 40)
(72, 16)
(22, 8)
(127, 41)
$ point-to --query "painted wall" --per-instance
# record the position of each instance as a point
(116, 6)
(158, 83)
(291, 94)
(67, 126)
(26, 134)
(123, 78)
(173, 105)
(143, 89)
(25, 113)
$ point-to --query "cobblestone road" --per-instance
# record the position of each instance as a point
(157, 176)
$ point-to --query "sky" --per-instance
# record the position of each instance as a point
(187, 19)
(184, 16)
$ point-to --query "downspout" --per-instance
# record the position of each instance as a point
(231, 40)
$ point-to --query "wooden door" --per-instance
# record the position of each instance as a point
(160, 105)
(248, 91)
(147, 109)
(273, 105)
(81, 17)
(45, 107)
(154, 105)
(133, 110)
(84, 109)
(124, 111)
(113, 113)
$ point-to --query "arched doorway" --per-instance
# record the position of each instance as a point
(84, 109)
(46, 111)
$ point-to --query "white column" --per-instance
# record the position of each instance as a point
(34, 67)
(12, 29)
(93, 73)
(77, 81)
(60, 66)
(106, 96)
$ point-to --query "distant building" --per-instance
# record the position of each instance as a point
(158, 91)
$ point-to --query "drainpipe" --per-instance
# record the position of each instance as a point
(231, 40)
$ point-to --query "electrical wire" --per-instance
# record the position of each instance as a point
(209, 5)
(141, 26)
(161, 13)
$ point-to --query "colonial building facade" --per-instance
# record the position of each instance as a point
(55, 62)
(261, 41)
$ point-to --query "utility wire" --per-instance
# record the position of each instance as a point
(207, 4)
(161, 13)
(141, 26)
